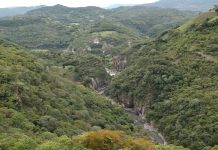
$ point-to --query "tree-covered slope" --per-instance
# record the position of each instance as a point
(42, 109)
(36, 99)
(151, 21)
(95, 140)
(173, 81)
(103, 36)
(54, 27)
(85, 68)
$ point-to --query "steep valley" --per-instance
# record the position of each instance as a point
(129, 78)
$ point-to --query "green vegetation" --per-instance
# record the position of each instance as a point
(97, 140)
(103, 36)
(34, 31)
(41, 109)
(48, 92)
(85, 68)
(170, 147)
(35, 100)
(151, 21)
(173, 81)
(57, 27)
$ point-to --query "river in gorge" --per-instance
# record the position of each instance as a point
(152, 132)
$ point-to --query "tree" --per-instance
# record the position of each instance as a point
(113, 140)
(110, 140)
(48, 122)
(25, 143)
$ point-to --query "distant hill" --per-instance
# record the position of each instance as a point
(52, 27)
(118, 5)
(192, 5)
(4, 12)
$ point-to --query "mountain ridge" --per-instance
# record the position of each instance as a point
(46, 25)
(191, 5)
(13, 11)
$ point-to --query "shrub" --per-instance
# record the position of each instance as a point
(104, 140)
(114, 140)
(139, 144)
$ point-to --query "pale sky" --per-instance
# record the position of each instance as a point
(70, 3)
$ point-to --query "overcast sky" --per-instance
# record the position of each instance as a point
(70, 3)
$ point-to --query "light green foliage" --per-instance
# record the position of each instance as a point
(59, 143)
(17, 141)
(214, 148)
(170, 147)
(25, 143)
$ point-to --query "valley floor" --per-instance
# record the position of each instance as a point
(152, 132)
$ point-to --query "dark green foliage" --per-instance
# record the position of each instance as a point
(154, 79)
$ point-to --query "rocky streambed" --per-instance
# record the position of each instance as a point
(153, 133)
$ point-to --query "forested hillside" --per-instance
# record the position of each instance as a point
(36, 100)
(173, 81)
(54, 27)
(42, 108)
(130, 78)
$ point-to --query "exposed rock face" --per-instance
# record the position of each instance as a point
(112, 73)
(98, 84)
(97, 41)
(139, 107)
(106, 47)
(119, 62)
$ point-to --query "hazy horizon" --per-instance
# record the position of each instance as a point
(74, 3)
